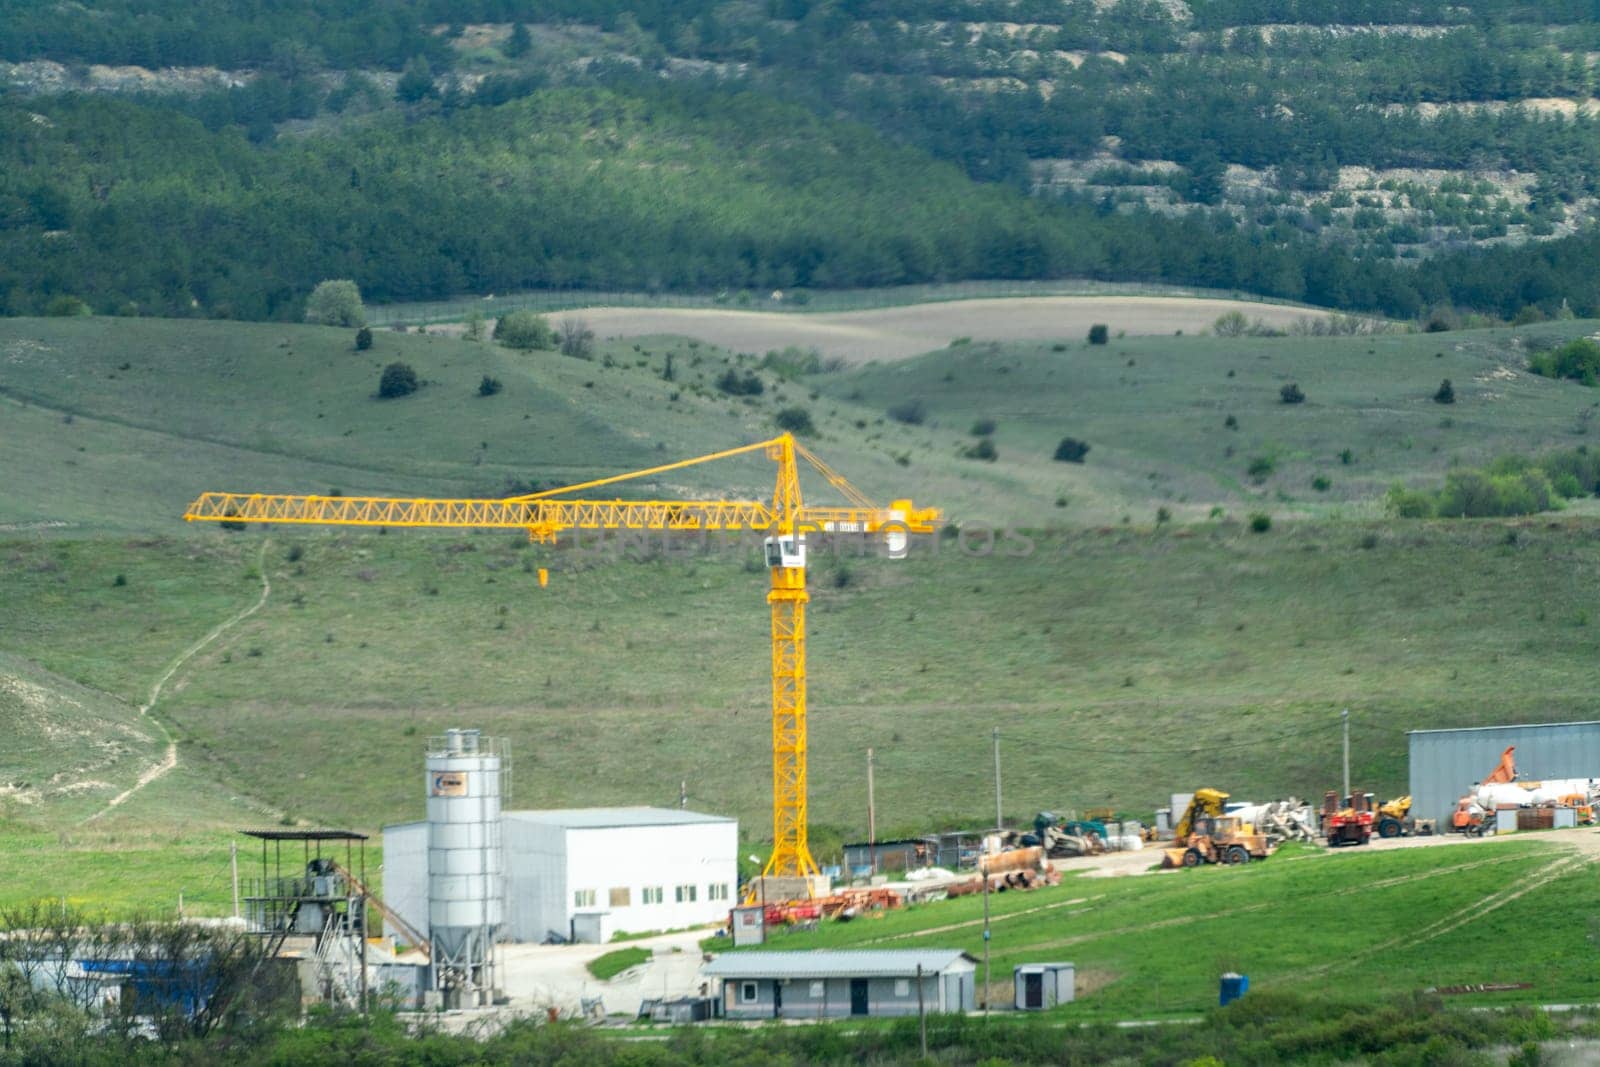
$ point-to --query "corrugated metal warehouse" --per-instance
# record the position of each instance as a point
(1445, 764)
(589, 873)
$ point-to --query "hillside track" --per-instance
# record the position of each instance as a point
(169, 759)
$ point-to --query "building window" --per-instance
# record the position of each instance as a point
(651, 894)
(583, 898)
(687, 894)
(717, 891)
(818, 990)
(902, 987)
(747, 992)
(621, 898)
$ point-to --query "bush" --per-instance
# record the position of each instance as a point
(398, 380)
(982, 428)
(983, 450)
(1260, 522)
(1291, 394)
(1071, 450)
(1577, 360)
(489, 386)
(524, 330)
(1231, 324)
(576, 339)
(336, 302)
(66, 307)
(734, 384)
(911, 412)
(1099, 334)
(1231, 422)
(795, 420)
(1445, 394)
(363, 339)
(1260, 468)
(1321, 484)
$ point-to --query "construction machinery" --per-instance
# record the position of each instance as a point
(1395, 820)
(785, 521)
(1204, 834)
(1349, 822)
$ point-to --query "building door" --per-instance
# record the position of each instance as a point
(777, 999)
(858, 996)
(1033, 990)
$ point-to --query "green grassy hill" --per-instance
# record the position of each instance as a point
(1382, 925)
(1122, 661)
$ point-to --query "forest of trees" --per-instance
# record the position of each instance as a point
(888, 160)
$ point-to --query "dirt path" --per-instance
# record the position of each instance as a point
(900, 332)
(170, 759)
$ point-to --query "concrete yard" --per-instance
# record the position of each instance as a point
(537, 977)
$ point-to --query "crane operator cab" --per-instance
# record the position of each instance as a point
(788, 552)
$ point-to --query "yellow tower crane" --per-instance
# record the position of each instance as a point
(786, 521)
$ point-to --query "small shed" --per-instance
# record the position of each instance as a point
(1044, 985)
(839, 983)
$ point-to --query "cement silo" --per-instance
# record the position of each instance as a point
(466, 864)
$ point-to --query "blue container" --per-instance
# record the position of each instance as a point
(1234, 986)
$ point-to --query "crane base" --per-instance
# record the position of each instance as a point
(775, 888)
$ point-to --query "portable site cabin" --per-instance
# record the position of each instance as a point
(839, 983)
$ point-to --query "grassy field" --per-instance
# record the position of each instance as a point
(1120, 665)
(615, 962)
(1386, 924)
(821, 301)
(1122, 660)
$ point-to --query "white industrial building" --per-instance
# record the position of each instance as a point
(588, 873)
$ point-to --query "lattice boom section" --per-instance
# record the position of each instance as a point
(544, 516)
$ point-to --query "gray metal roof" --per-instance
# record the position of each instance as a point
(606, 818)
(1511, 726)
(835, 963)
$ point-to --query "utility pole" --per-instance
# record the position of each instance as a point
(1345, 715)
(988, 978)
(872, 818)
(999, 819)
(233, 864)
(922, 1014)
(683, 795)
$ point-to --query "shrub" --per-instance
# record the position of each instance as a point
(983, 450)
(1321, 484)
(1231, 324)
(398, 380)
(1408, 503)
(1346, 456)
(363, 339)
(795, 420)
(66, 307)
(1260, 468)
(1291, 394)
(982, 428)
(911, 412)
(794, 362)
(576, 339)
(1577, 360)
(1231, 422)
(1071, 450)
(524, 330)
(734, 384)
(336, 302)
(1163, 516)
(1445, 394)
(489, 386)
(1099, 334)
(1260, 522)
